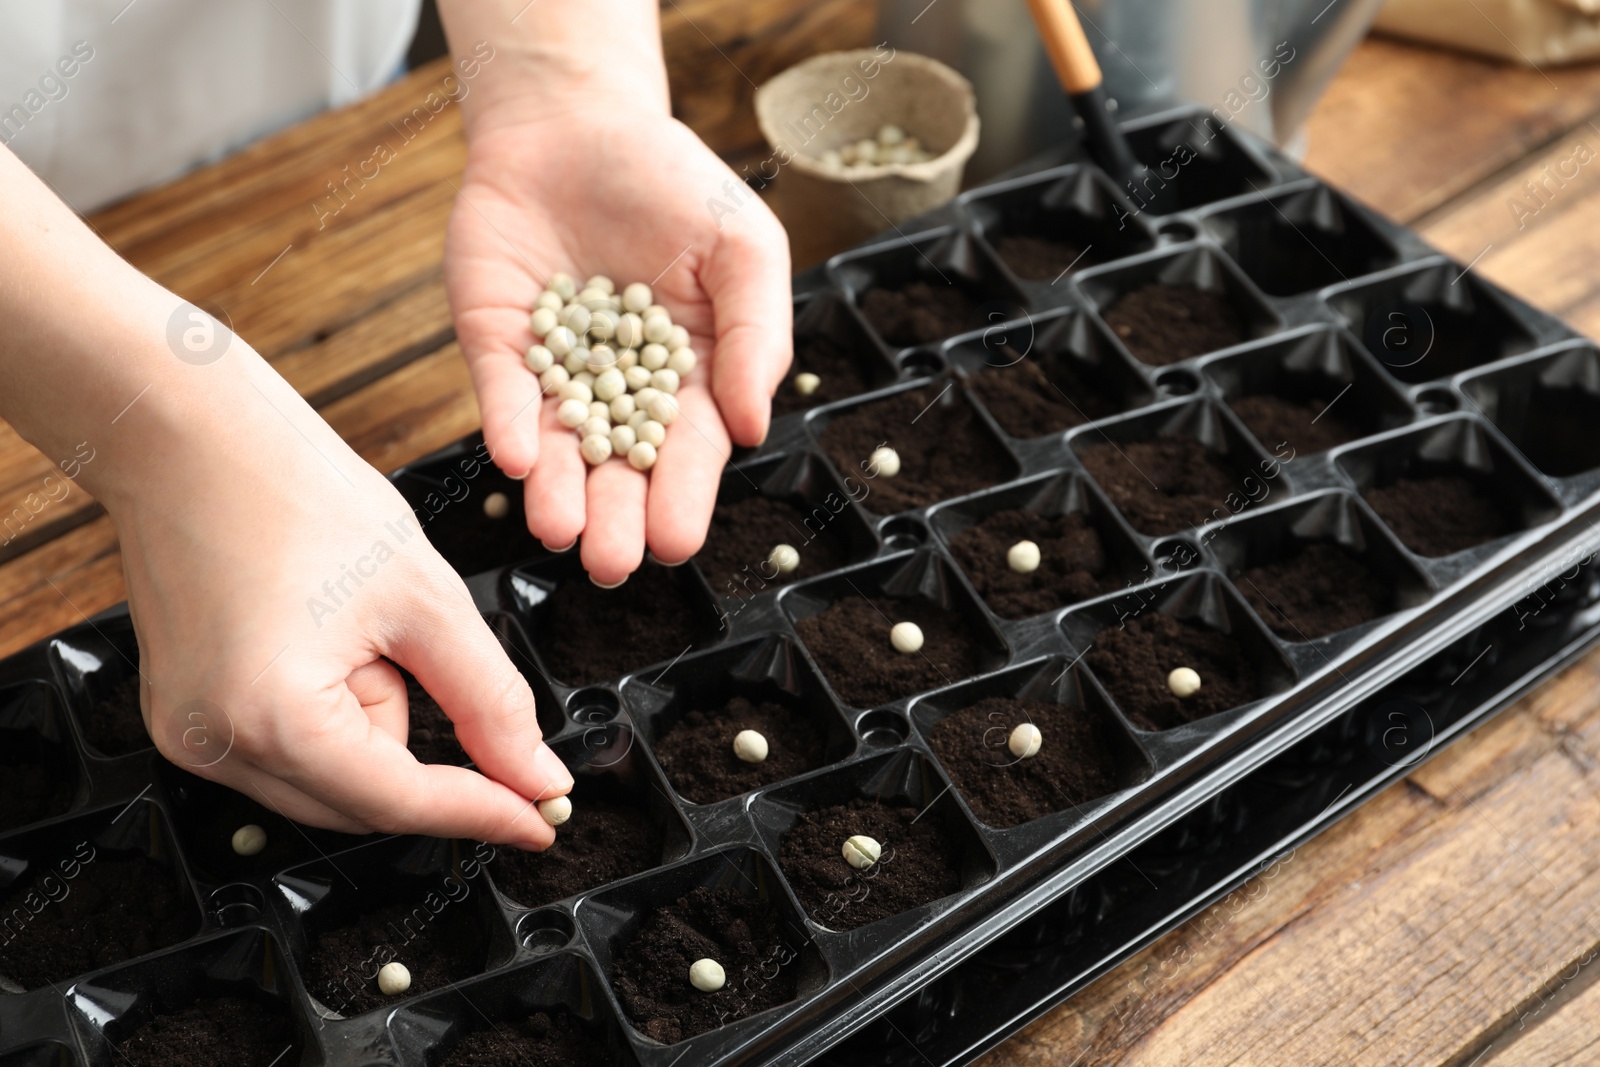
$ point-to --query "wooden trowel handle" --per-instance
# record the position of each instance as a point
(1069, 49)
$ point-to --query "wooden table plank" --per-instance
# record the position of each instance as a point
(1565, 1036)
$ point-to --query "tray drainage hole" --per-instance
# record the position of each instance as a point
(1177, 554)
(591, 707)
(883, 728)
(1178, 230)
(904, 533)
(1178, 382)
(545, 931)
(237, 904)
(921, 364)
(1436, 400)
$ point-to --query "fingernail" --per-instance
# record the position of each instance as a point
(603, 585)
(519, 477)
(565, 548)
(549, 766)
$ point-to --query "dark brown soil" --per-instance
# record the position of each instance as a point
(1307, 425)
(602, 842)
(743, 535)
(1165, 484)
(697, 753)
(1319, 590)
(1040, 258)
(850, 642)
(1042, 396)
(437, 947)
(742, 934)
(1072, 567)
(921, 313)
(30, 792)
(945, 450)
(432, 736)
(113, 909)
(589, 634)
(918, 864)
(543, 1039)
(842, 370)
(1163, 324)
(1132, 661)
(225, 1030)
(1439, 516)
(1079, 760)
(115, 725)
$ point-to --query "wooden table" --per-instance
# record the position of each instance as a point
(1452, 921)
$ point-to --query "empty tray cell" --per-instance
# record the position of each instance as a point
(1431, 322)
(1132, 644)
(1085, 752)
(38, 768)
(416, 901)
(542, 1014)
(831, 343)
(946, 450)
(1044, 225)
(1310, 392)
(1549, 407)
(584, 634)
(1448, 487)
(729, 907)
(1084, 551)
(1298, 240)
(927, 288)
(47, 1055)
(1174, 307)
(88, 893)
(792, 500)
(1192, 161)
(845, 620)
(1318, 566)
(1050, 373)
(1179, 467)
(929, 849)
(469, 510)
(621, 825)
(98, 663)
(225, 1000)
(691, 714)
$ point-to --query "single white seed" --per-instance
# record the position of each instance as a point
(807, 383)
(575, 317)
(663, 408)
(602, 283)
(832, 159)
(682, 361)
(556, 810)
(249, 840)
(578, 390)
(572, 411)
(637, 297)
(636, 378)
(644, 395)
(655, 309)
(550, 299)
(1025, 740)
(866, 151)
(576, 361)
(861, 851)
(497, 505)
(553, 379)
(786, 558)
(651, 432)
(906, 637)
(622, 407)
(599, 409)
(1023, 557)
(642, 456)
(562, 283)
(1184, 682)
(630, 331)
(653, 356)
(891, 135)
(677, 337)
(542, 321)
(622, 439)
(886, 461)
(601, 358)
(666, 379)
(638, 419)
(609, 384)
(847, 154)
(657, 328)
(596, 448)
(592, 427)
(707, 975)
(750, 746)
(603, 324)
(539, 359)
(585, 377)
(628, 357)
(595, 300)
(393, 979)
(560, 341)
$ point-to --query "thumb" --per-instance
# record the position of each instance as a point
(747, 278)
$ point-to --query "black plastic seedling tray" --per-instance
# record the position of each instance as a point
(1439, 373)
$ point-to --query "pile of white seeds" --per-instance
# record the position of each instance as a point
(614, 361)
(892, 145)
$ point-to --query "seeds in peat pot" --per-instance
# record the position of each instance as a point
(1162, 324)
(1162, 485)
(544, 1039)
(1041, 258)
(1132, 660)
(1078, 762)
(220, 1030)
(31, 792)
(589, 634)
(744, 935)
(1308, 425)
(945, 451)
(921, 313)
(604, 841)
(917, 865)
(697, 752)
(1072, 561)
(850, 642)
(115, 725)
(1042, 395)
(1438, 516)
(840, 373)
(431, 736)
(735, 559)
(117, 907)
(1318, 590)
(341, 963)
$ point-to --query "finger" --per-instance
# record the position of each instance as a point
(382, 694)
(686, 477)
(613, 535)
(286, 800)
(554, 496)
(748, 281)
(493, 342)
